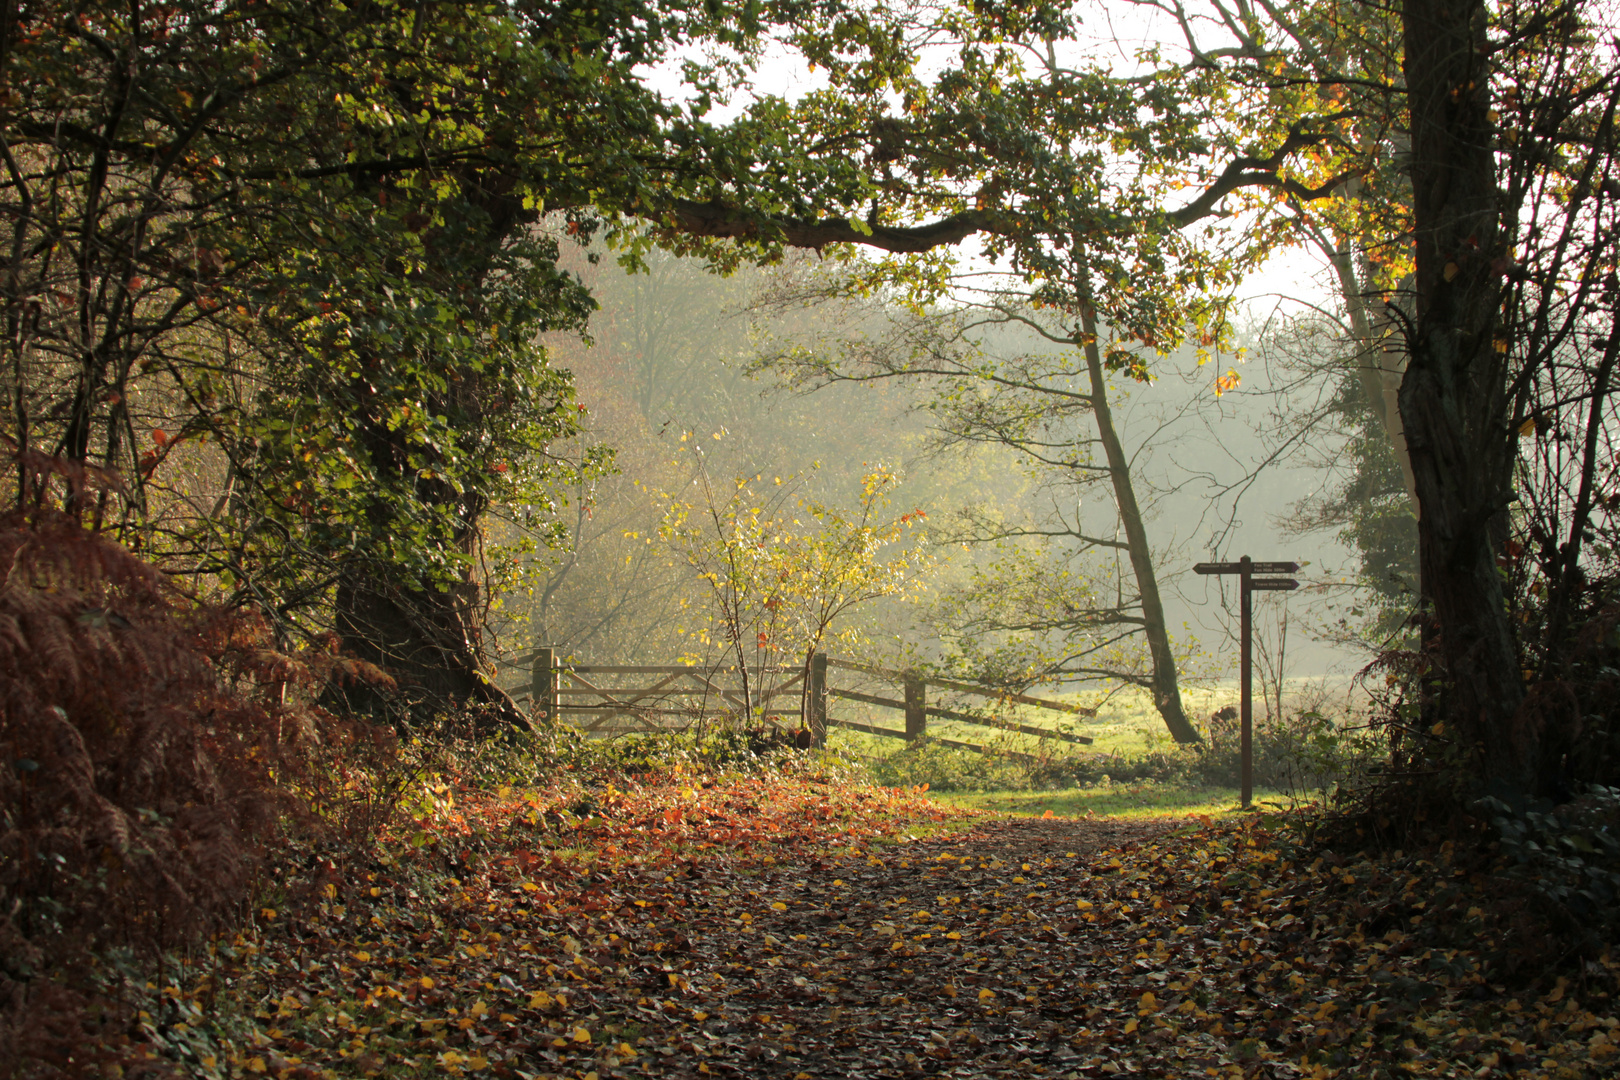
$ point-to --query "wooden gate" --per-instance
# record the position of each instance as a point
(612, 699)
(617, 699)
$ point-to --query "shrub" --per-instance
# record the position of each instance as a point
(1304, 752)
(148, 753)
(945, 768)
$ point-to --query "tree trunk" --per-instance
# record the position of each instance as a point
(1453, 399)
(1165, 684)
(431, 640)
(1380, 366)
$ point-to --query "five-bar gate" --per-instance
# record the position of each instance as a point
(613, 699)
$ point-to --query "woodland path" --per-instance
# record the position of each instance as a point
(791, 927)
(961, 954)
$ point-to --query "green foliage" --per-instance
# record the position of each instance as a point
(944, 768)
(1569, 855)
(454, 751)
(293, 271)
(1307, 754)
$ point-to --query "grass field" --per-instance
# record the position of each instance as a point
(1126, 722)
(1112, 800)
(1126, 726)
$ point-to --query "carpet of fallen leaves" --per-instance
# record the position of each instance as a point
(783, 927)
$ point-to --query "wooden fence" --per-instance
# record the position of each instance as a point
(680, 696)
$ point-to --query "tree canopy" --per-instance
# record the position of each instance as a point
(276, 270)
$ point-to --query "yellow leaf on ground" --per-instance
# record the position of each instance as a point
(581, 1035)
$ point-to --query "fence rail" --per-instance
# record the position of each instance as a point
(576, 691)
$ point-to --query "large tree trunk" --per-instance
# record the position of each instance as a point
(1165, 686)
(430, 643)
(1453, 398)
(431, 640)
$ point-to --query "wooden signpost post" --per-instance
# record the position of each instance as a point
(1246, 569)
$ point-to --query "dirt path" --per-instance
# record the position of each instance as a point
(962, 955)
(789, 928)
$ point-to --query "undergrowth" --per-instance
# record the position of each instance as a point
(1307, 754)
(150, 755)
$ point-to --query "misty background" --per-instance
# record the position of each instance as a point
(664, 376)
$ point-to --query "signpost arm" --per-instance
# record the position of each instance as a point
(1245, 670)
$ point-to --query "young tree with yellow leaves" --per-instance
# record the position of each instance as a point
(780, 570)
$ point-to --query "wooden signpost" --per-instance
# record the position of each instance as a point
(1246, 569)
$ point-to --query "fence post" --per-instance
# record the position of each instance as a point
(818, 698)
(916, 708)
(1245, 670)
(543, 693)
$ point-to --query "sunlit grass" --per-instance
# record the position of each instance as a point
(1126, 722)
(1142, 800)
